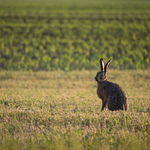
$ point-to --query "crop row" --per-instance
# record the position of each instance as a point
(74, 41)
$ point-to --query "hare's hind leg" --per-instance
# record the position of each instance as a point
(112, 102)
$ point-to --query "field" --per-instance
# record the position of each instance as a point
(72, 35)
(60, 110)
(49, 56)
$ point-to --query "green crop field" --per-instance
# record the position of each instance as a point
(61, 111)
(72, 35)
(49, 56)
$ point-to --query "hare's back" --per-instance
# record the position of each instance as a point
(113, 88)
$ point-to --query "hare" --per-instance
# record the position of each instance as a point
(112, 95)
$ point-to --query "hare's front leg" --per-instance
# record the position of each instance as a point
(103, 105)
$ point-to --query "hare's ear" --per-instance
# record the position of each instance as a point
(107, 65)
(102, 64)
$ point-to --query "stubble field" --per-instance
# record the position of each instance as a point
(60, 110)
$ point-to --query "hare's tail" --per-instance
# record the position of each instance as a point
(126, 106)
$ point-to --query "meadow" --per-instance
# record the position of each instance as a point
(60, 110)
(49, 56)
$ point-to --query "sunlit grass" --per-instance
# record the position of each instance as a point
(60, 110)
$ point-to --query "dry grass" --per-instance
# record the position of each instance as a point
(60, 110)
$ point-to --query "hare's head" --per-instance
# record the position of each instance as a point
(101, 76)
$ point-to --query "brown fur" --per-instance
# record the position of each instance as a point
(112, 95)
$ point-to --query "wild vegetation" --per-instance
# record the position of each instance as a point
(68, 35)
(60, 110)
